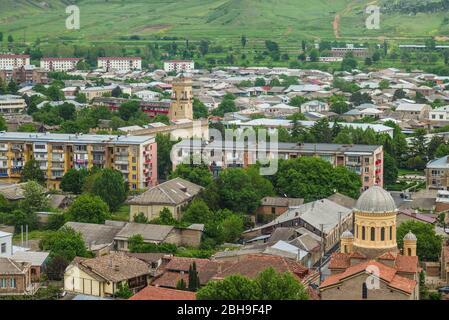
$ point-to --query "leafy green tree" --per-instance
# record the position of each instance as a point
(428, 242)
(384, 84)
(349, 62)
(227, 105)
(232, 227)
(164, 147)
(27, 127)
(321, 131)
(199, 109)
(35, 197)
(12, 87)
(314, 55)
(123, 291)
(234, 287)
(67, 111)
(117, 92)
(390, 170)
(3, 126)
(338, 104)
(239, 193)
(198, 174)
(297, 101)
(442, 150)
(89, 209)
(81, 98)
(399, 94)
(73, 180)
(54, 93)
(260, 82)
(181, 285)
(109, 185)
(197, 212)
(268, 285)
(66, 243)
(128, 109)
(32, 172)
(313, 178)
(136, 244)
(140, 218)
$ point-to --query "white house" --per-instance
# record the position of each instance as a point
(13, 61)
(147, 95)
(5, 244)
(439, 114)
(59, 64)
(314, 106)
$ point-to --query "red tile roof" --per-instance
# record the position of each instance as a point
(170, 279)
(387, 256)
(406, 264)
(386, 274)
(60, 59)
(251, 265)
(418, 216)
(157, 293)
(183, 264)
(119, 58)
(339, 261)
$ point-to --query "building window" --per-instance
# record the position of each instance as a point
(364, 291)
(382, 234)
(409, 252)
(12, 283)
(3, 248)
(373, 234)
(363, 233)
(273, 210)
(2, 283)
(391, 233)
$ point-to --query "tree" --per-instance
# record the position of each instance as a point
(199, 109)
(227, 105)
(194, 279)
(244, 41)
(65, 243)
(322, 131)
(239, 192)
(109, 185)
(232, 227)
(197, 212)
(313, 178)
(67, 111)
(181, 285)
(268, 285)
(338, 104)
(123, 291)
(26, 127)
(35, 198)
(314, 55)
(32, 172)
(198, 174)
(260, 82)
(442, 150)
(234, 287)
(358, 98)
(164, 147)
(81, 98)
(140, 218)
(1, 36)
(117, 92)
(390, 170)
(12, 87)
(399, 94)
(428, 242)
(54, 93)
(3, 126)
(73, 180)
(384, 84)
(10, 39)
(89, 209)
(349, 62)
(128, 109)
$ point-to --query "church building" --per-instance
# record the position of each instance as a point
(370, 266)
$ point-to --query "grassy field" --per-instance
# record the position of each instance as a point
(285, 21)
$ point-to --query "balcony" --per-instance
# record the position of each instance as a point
(81, 161)
(98, 149)
(57, 159)
(121, 160)
(98, 161)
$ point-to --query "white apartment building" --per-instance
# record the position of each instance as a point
(179, 65)
(119, 63)
(13, 61)
(439, 114)
(12, 104)
(59, 64)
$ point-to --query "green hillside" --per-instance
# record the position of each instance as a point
(284, 20)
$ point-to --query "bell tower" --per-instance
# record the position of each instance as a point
(410, 244)
(182, 99)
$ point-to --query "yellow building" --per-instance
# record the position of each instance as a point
(103, 276)
(134, 157)
(182, 100)
(369, 265)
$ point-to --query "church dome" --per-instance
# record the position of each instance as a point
(347, 235)
(376, 199)
(410, 236)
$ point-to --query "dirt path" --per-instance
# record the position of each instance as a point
(336, 26)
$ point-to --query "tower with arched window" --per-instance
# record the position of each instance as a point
(182, 99)
(375, 223)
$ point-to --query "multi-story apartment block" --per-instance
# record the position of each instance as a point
(12, 104)
(437, 173)
(179, 65)
(13, 61)
(59, 64)
(134, 157)
(120, 63)
(365, 160)
(357, 52)
(26, 75)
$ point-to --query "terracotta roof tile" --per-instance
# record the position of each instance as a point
(170, 279)
(339, 261)
(157, 293)
(406, 264)
(386, 273)
(387, 256)
(357, 255)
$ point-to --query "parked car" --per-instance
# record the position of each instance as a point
(444, 290)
